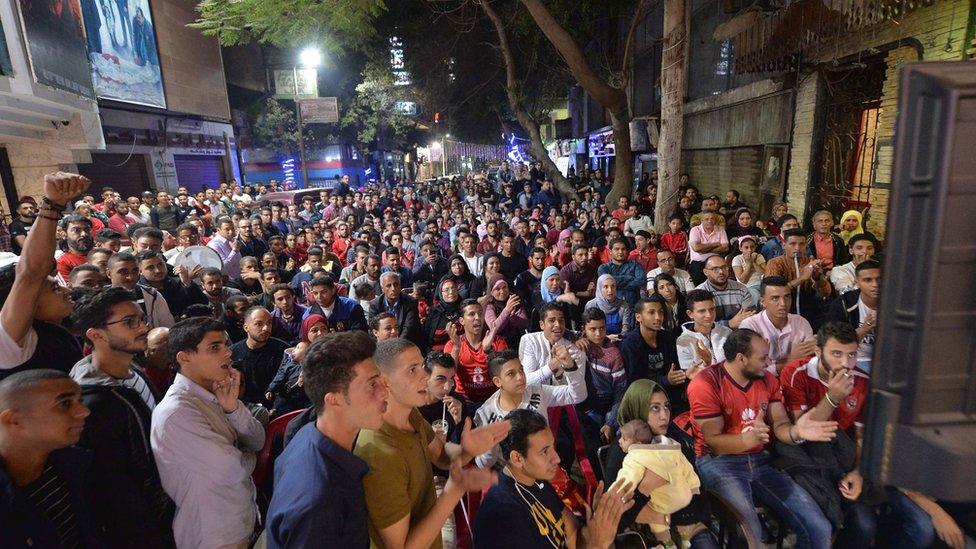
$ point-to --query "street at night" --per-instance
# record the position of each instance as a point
(487, 274)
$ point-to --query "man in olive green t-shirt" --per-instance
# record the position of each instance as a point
(403, 506)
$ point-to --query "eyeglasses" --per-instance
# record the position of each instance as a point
(132, 322)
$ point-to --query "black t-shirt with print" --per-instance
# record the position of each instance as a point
(516, 516)
(17, 228)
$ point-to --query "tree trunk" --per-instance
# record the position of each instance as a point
(611, 98)
(525, 119)
(623, 162)
(673, 82)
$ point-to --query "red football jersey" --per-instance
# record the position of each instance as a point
(713, 393)
(803, 389)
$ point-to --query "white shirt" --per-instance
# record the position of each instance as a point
(12, 354)
(206, 475)
(474, 264)
(535, 352)
(682, 277)
(865, 347)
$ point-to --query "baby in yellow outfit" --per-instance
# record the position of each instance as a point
(665, 460)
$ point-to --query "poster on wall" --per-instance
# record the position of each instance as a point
(121, 43)
(56, 44)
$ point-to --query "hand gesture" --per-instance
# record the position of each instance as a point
(704, 353)
(946, 528)
(183, 274)
(604, 517)
(850, 486)
(290, 264)
(471, 479)
(453, 408)
(61, 187)
(227, 391)
(606, 434)
(840, 385)
(736, 320)
(512, 303)
(806, 273)
(803, 349)
(235, 245)
(561, 358)
(815, 431)
(195, 271)
(479, 441)
(758, 433)
(695, 369)
(676, 375)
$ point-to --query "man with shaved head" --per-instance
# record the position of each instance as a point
(258, 356)
(42, 473)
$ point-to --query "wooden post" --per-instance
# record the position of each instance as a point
(674, 76)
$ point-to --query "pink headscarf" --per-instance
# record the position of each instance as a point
(565, 234)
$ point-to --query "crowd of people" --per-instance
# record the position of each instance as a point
(417, 339)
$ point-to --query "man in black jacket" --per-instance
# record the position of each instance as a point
(859, 308)
(41, 473)
(403, 307)
(127, 499)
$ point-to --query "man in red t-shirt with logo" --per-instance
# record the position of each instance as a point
(470, 350)
(737, 410)
(829, 386)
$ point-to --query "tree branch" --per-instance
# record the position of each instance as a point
(628, 54)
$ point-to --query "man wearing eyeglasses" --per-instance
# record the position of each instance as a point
(733, 301)
(130, 505)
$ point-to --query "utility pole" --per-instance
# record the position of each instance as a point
(301, 134)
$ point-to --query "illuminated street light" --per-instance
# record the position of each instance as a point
(310, 58)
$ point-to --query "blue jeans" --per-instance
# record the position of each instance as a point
(742, 479)
(897, 523)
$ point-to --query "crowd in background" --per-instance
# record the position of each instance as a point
(418, 338)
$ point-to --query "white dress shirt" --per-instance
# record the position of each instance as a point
(534, 354)
(205, 459)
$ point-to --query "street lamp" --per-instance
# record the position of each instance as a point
(309, 58)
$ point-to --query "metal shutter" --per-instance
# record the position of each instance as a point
(194, 171)
(127, 174)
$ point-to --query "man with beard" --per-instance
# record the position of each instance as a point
(258, 356)
(859, 308)
(26, 212)
(733, 300)
(211, 287)
(737, 408)
(121, 219)
(373, 265)
(129, 506)
(78, 236)
(123, 271)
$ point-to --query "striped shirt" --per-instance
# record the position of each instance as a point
(137, 382)
(49, 494)
(730, 300)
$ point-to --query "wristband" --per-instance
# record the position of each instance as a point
(830, 400)
(53, 205)
(52, 218)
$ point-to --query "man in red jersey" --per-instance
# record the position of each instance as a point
(830, 386)
(737, 409)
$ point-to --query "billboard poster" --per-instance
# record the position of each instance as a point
(308, 85)
(323, 110)
(56, 44)
(121, 43)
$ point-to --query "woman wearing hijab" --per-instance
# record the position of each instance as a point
(620, 317)
(442, 316)
(504, 312)
(742, 225)
(646, 400)
(460, 274)
(564, 248)
(551, 289)
(286, 389)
